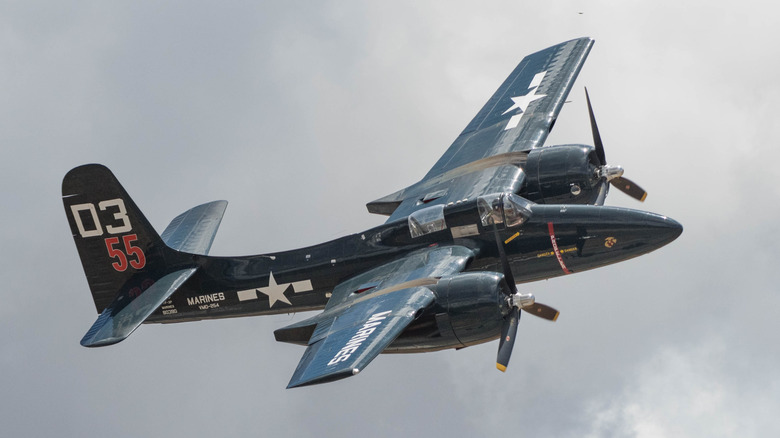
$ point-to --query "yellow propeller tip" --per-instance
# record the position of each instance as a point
(501, 368)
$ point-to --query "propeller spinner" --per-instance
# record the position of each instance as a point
(611, 174)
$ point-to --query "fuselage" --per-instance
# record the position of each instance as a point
(554, 240)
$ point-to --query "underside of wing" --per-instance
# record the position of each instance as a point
(486, 156)
(368, 312)
(123, 316)
(343, 346)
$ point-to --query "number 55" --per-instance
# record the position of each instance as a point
(122, 257)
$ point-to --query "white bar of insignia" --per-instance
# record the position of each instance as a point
(537, 79)
(513, 121)
(249, 294)
(302, 286)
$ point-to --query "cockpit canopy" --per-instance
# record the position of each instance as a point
(497, 208)
(427, 220)
(503, 208)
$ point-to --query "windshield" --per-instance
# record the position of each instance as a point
(516, 210)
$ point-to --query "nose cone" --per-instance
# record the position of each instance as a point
(664, 229)
(607, 235)
(638, 232)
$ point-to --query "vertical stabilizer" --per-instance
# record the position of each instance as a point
(120, 251)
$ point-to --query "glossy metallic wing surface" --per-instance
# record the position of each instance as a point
(124, 315)
(367, 313)
(193, 231)
(358, 334)
(410, 269)
(486, 155)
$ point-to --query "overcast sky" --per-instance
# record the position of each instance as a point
(299, 113)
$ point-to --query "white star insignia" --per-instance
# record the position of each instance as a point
(275, 291)
(521, 102)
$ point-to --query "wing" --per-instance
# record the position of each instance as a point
(367, 313)
(485, 157)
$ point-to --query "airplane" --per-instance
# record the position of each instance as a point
(498, 209)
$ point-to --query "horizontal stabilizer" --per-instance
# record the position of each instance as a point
(388, 204)
(120, 318)
(193, 231)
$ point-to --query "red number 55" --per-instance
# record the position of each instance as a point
(121, 264)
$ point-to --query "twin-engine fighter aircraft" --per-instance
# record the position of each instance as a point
(497, 209)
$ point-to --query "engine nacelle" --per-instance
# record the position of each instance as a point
(475, 305)
(565, 174)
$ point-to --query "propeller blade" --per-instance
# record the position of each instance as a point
(595, 129)
(625, 185)
(508, 276)
(508, 333)
(542, 311)
(630, 188)
(603, 191)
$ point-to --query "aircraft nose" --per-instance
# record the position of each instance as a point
(630, 233)
(665, 228)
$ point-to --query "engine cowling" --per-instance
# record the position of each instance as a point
(475, 305)
(564, 174)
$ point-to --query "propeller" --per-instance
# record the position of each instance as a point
(612, 174)
(517, 301)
